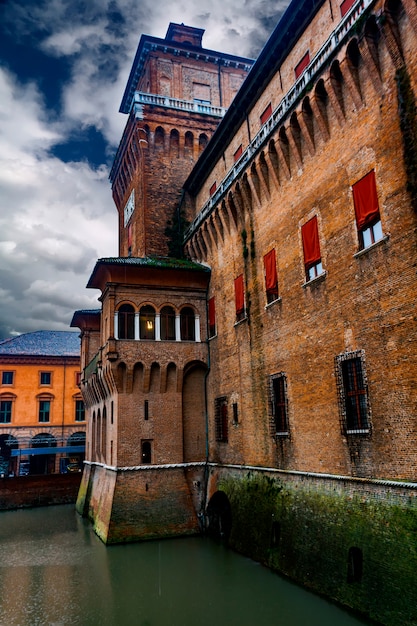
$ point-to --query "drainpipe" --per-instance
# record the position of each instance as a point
(205, 478)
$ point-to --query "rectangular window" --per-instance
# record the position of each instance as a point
(213, 188)
(238, 153)
(271, 276)
(311, 249)
(365, 200)
(44, 410)
(146, 410)
(353, 392)
(201, 93)
(301, 66)
(79, 411)
(266, 114)
(345, 6)
(77, 379)
(235, 413)
(221, 419)
(212, 316)
(239, 298)
(5, 411)
(279, 404)
(7, 378)
(45, 378)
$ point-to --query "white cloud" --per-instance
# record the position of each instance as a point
(56, 218)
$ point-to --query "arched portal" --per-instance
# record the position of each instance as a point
(194, 412)
(219, 517)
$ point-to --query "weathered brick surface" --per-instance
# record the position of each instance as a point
(29, 491)
(364, 302)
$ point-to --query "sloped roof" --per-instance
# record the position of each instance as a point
(42, 343)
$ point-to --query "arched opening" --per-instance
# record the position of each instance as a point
(167, 323)
(41, 462)
(7, 462)
(146, 452)
(187, 323)
(174, 143)
(202, 142)
(355, 565)
(194, 412)
(147, 322)
(159, 138)
(126, 322)
(219, 517)
(336, 79)
(189, 143)
(74, 461)
(307, 113)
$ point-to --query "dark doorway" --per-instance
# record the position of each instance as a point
(219, 517)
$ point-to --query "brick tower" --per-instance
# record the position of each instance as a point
(144, 354)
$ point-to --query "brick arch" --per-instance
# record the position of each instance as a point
(138, 378)
(155, 378)
(337, 83)
(193, 411)
(121, 377)
(174, 143)
(159, 138)
(308, 120)
(284, 146)
(171, 377)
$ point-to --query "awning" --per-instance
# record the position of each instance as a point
(62, 450)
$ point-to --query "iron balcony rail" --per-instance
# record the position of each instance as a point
(195, 106)
(287, 103)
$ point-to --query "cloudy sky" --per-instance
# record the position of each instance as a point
(63, 68)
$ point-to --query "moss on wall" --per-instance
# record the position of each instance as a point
(307, 533)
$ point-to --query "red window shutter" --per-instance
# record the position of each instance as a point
(365, 200)
(212, 316)
(271, 277)
(345, 6)
(266, 114)
(238, 153)
(301, 66)
(213, 188)
(239, 295)
(311, 243)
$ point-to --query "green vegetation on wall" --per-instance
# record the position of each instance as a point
(309, 533)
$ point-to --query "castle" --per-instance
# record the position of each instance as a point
(252, 368)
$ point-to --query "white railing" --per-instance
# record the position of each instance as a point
(287, 102)
(191, 106)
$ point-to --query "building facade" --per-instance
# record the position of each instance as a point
(42, 417)
(292, 417)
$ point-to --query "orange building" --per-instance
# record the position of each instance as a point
(42, 421)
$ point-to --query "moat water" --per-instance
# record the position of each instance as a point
(55, 571)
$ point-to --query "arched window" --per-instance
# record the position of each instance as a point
(189, 143)
(167, 323)
(174, 143)
(147, 322)
(202, 142)
(187, 320)
(126, 322)
(146, 452)
(159, 137)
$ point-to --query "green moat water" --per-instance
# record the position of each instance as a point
(54, 571)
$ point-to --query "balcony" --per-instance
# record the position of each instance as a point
(203, 108)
